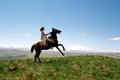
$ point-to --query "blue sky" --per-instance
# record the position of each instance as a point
(85, 24)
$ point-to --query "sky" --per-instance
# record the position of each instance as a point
(85, 24)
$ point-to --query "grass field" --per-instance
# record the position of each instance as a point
(65, 68)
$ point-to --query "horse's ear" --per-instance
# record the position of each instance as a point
(53, 29)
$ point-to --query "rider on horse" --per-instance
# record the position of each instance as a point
(44, 38)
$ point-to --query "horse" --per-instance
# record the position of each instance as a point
(38, 47)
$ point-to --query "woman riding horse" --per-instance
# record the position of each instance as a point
(54, 43)
(44, 37)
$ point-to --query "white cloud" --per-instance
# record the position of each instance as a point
(83, 34)
(77, 47)
(28, 35)
(114, 39)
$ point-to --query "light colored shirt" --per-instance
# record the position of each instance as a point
(43, 35)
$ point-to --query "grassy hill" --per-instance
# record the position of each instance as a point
(65, 68)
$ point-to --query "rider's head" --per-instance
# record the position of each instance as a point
(42, 28)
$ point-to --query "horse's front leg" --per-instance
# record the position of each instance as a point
(62, 46)
(59, 50)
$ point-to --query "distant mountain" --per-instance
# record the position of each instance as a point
(14, 53)
(21, 53)
(10, 48)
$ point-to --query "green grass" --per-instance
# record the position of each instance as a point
(65, 68)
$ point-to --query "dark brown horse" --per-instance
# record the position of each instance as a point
(39, 46)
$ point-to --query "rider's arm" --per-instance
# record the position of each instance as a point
(44, 33)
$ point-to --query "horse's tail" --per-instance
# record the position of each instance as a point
(32, 48)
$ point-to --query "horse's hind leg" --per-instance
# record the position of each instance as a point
(38, 54)
(39, 59)
(35, 57)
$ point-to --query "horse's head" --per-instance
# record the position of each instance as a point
(56, 31)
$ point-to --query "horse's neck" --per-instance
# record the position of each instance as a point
(54, 37)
